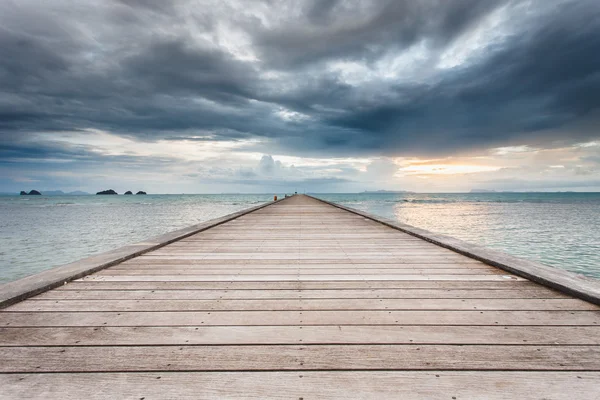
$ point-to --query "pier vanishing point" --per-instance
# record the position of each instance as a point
(301, 299)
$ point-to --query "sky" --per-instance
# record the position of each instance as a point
(317, 95)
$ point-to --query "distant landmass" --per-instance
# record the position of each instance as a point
(386, 191)
(109, 191)
(482, 191)
(112, 192)
(31, 193)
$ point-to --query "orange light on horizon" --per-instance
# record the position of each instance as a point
(445, 169)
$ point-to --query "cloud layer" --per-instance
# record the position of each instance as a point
(320, 79)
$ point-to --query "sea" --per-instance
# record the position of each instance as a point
(561, 230)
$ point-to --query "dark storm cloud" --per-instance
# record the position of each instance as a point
(159, 70)
(364, 30)
(543, 79)
(37, 152)
(178, 68)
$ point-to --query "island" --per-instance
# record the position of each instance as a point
(128, 192)
(31, 193)
(141, 192)
(109, 191)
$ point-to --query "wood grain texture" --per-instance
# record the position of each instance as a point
(371, 317)
(298, 357)
(294, 334)
(249, 277)
(301, 285)
(219, 294)
(384, 385)
(302, 304)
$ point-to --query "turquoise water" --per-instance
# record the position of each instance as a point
(41, 232)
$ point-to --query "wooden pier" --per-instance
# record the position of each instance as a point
(298, 300)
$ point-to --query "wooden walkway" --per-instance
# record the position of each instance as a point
(301, 300)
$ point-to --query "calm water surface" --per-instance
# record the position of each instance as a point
(558, 229)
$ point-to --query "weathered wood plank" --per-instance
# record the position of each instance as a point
(343, 261)
(372, 317)
(300, 271)
(334, 267)
(329, 285)
(341, 334)
(94, 294)
(305, 244)
(298, 357)
(313, 252)
(383, 385)
(305, 277)
(370, 257)
(301, 304)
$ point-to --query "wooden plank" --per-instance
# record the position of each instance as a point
(301, 304)
(305, 244)
(342, 262)
(342, 334)
(305, 277)
(372, 317)
(93, 294)
(298, 357)
(286, 285)
(295, 266)
(369, 257)
(299, 271)
(324, 235)
(313, 253)
(383, 385)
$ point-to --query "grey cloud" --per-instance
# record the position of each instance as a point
(39, 152)
(212, 136)
(592, 159)
(358, 30)
(134, 68)
(176, 67)
(537, 82)
(290, 183)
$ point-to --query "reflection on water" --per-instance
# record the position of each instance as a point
(557, 229)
